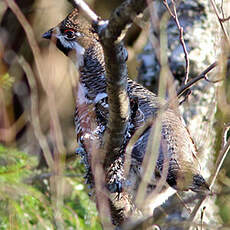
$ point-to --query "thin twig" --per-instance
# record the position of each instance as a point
(36, 52)
(100, 188)
(8, 134)
(225, 133)
(35, 121)
(181, 30)
(183, 202)
(220, 21)
(148, 123)
(87, 12)
(202, 217)
(183, 88)
(212, 81)
(149, 222)
(58, 167)
(222, 8)
(151, 155)
(221, 157)
(223, 19)
(222, 154)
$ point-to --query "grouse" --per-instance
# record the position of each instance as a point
(76, 38)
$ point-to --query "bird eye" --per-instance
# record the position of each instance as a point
(69, 34)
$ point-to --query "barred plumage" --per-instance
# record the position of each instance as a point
(176, 145)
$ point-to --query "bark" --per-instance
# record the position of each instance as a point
(199, 111)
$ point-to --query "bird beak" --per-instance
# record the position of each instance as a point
(48, 34)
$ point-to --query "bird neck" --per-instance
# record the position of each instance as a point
(92, 72)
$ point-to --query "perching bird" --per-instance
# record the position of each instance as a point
(76, 38)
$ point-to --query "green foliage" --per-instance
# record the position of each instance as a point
(25, 199)
(6, 81)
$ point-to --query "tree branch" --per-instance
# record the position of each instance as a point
(116, 74)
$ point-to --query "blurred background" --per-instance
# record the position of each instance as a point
(37, 110)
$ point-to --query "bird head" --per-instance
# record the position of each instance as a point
(75, 36)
